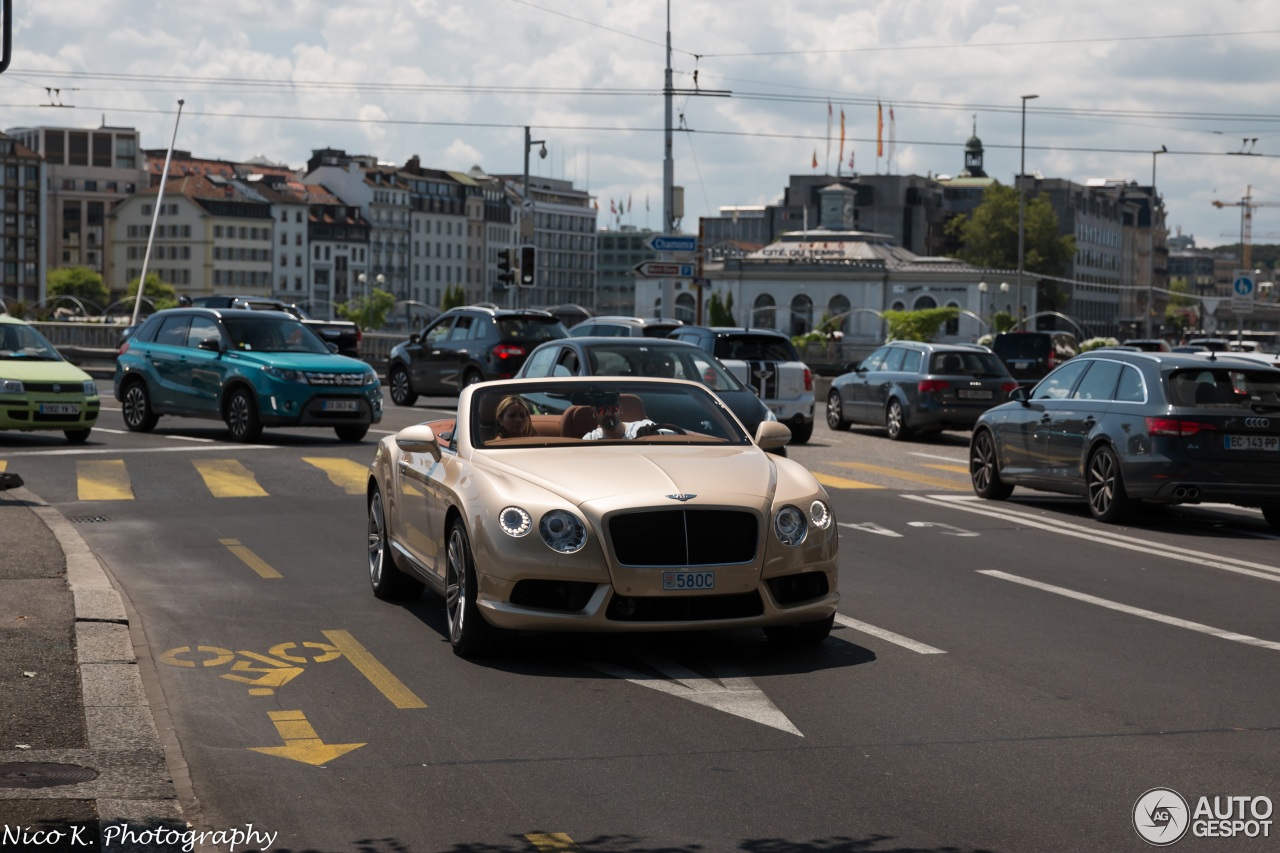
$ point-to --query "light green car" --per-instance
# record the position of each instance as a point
(39, 389)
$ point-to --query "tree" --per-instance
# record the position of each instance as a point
(454, 296)
(368, 312)
(161, 293)
(720, 313)
(918, 325)
(989, 239)
(80, 283)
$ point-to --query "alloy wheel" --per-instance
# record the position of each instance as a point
(455, 594)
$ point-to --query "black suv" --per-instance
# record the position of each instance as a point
(1030, 356)
(464, 346)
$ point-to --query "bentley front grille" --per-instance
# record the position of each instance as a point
(684, 537)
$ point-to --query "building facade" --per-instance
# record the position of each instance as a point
(22, 225)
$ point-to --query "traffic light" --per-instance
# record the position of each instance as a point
(506, 273)
(528, 265)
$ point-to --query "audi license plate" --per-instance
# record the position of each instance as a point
(973, 394)
(341, 406)
(686, 581)
(59, 408)
(1251, 442)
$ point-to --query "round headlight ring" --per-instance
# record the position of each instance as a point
(515, 522)
(563, 531)
(789, 525)
(820, 515)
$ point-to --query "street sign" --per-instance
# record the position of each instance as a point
(672, 243)
(661, 269)
(1242, 292)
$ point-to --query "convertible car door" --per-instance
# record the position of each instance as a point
(421, 501)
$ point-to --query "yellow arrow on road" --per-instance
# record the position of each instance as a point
(301, 743)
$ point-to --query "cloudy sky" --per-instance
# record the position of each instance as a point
(456, 82)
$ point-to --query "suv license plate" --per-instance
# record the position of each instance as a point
(1251, 442)
(973, 394)
(59, 409)
(340, 406)
(684, 581)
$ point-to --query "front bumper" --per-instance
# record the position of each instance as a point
(325, 408)
(40, 411)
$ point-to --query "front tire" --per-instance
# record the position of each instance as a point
(241, 416)
(136, 408)
(385, 577)
(77, 436)
(895, 422)
(1108, 500)
(401, 389)
(351, 432)
(801, 432)
(470, 377)
(804, 634)
(984, 469)
(469, 633)
(835, 417)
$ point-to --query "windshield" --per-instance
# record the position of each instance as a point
(1223, 386)
(662, 362)
(25, 343)
(568, 412)
(755, 348)
(272, 334)
(967, 364)
(532, 329)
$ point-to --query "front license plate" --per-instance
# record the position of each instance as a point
(59, 409)
(1251, 442)
(341, 406)
(685, 581)
(973, 394)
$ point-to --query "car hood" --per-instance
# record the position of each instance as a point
(41, 371)
(590, 474)
(315, 362)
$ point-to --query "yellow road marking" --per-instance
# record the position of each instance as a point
(227, 478)
(840, 482)
(351, 477)
(3, 463)
(250, 559)
(301, 743)
(935, 482)
(546, 841)
(959, 469)
(379, 676)
(103, 480)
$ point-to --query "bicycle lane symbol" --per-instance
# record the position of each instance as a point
(263, 673)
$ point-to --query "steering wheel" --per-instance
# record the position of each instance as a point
(671, 428)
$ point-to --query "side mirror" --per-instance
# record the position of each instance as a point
(419, 438)
(332, 346)
(1020, 395)
(771, 435)
(415, 338)
(210, 344)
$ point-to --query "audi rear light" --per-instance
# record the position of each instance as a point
(1008, 388)
(502, 351)
(1052, 360)
(808, 379)
(932, 385)
(1177, 426)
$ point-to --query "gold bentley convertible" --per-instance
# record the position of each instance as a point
(601, 504)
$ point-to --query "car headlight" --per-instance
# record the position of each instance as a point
(789, 525)
(90, 388)
(820, 515)
(371, 377)
(11, 386)
(286, 375)
(563, 531)
(515, 522)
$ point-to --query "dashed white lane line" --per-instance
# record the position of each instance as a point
(889, 636)
(1135, 611)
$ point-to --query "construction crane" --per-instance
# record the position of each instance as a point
(1246, 205)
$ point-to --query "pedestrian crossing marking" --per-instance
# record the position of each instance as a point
(550, 841)
(835, 482)
(228, 478)
(959, 469)
(351, 477)
(103, 480)
(934, 482)
(3, 464)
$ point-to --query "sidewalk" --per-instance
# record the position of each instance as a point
(78, 743)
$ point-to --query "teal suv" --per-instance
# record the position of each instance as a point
(249, 369)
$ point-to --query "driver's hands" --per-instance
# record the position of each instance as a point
(647, 430)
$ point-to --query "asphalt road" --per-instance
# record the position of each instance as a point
(1004, 677)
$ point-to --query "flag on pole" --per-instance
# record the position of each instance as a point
(815, 158)
(828, 133)
(613, 208)
(893, 138)
(879, 131)
(646, 201)
(840, 159)
(629, 194)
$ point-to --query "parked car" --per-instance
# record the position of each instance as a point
(649, 357)
(1148, 344)
(467, 345)
(1031, 355)
(1124, 427)
(250, 369)
(344, 334)
(624, 327)
(1211, 344)
(41, 390)
(767, 361)
(911, 387)
(697, 528)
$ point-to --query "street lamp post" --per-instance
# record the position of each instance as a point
(982, 302)
(1151, 243)
(1022, 202)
